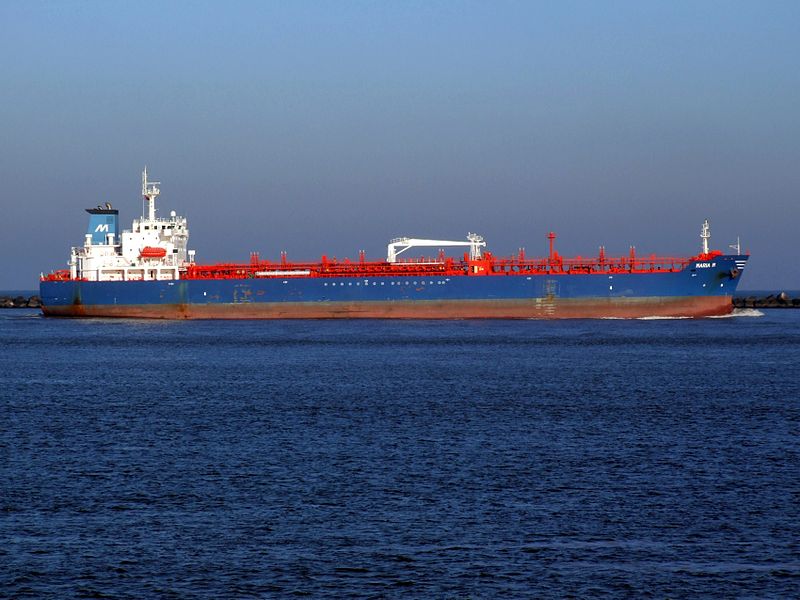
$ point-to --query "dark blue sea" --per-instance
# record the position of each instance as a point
(413, 459)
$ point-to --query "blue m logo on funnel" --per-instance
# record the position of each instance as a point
(102, 221)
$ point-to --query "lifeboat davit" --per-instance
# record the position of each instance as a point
(153, 252)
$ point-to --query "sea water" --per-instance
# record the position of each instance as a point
(425, 459)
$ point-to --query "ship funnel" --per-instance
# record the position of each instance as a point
(102, 222)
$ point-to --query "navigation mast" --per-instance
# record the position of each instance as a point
(705, 235)
(149, 193)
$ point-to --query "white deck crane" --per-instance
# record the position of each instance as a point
(399, 245)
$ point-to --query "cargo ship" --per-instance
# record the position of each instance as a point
(149, 272)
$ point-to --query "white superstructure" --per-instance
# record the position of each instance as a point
(153, 249)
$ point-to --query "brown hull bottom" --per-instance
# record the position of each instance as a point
(541, 308)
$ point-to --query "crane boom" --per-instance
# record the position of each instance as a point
(399, 245)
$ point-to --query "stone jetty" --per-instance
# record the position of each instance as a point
(777, 300)
(20, 302)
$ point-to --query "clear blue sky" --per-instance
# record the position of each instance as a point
(330, 127)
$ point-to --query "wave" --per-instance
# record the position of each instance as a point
(737, 312)
(740, 312)
(657, 318)
(649, 318)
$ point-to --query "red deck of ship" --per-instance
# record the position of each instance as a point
(444, 266)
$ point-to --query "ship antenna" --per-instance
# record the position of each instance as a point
(150, 192)
(737, 246)
(705, 235)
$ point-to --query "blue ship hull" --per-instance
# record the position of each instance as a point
(700, 289)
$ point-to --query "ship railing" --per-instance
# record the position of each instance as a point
(301, 270)
(60, 275)
(497, 266)
(577, 265)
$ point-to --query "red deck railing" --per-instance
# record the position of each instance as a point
(488, 265)
(60, 275)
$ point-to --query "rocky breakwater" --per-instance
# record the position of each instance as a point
(20, 302)
(779, 300)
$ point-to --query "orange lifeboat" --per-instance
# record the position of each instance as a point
(153, 252)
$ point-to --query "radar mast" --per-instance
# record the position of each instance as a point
(149, 193)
